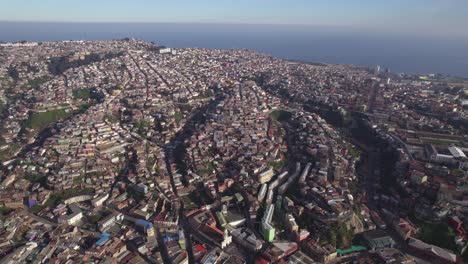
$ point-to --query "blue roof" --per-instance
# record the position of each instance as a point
(31, 203)
(144, 223)
(103, 238)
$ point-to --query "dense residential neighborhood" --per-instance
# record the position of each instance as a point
(124, 151)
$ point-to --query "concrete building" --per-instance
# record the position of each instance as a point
(262, 192)
(74, 217)
(377, 239)
(266, 175)
(246, 239)
(108, 221)
(291, 223)
(267, 230)
(98, 201)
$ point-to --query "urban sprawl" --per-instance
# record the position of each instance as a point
(124, 151)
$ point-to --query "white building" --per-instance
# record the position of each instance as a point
(165, 51)
(457, 152)
(98, 201)
(72, 218)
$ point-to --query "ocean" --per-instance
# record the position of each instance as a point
(410, 53)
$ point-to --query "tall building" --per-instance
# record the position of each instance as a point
(182, 241)
(151, 236)
(266, 175)
(377, 69)
(267, 230)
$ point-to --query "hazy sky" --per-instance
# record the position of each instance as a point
(447, 17)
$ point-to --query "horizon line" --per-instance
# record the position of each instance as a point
(360, 28)
(175, 22)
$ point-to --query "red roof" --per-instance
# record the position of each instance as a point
(200, 248)
(261, 260)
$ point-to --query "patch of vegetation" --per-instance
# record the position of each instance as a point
(353, 152)
(54, 200)
(455, 172)
(357, 211)
(34, 178)
(142, 124)
(36, 82)
(339, 235)
(205, 94)
(95, 218)
(192, 200)
(41, 120)
(57, 198)
(9, 152)
(5, 210)
(83, 94)
(208, 168)
(77, 180)
(83, 107)
(441, 235)
(440, 141)
(36, 208)
(178, 117)
(278, 165)
(112, 118)
(281, 115)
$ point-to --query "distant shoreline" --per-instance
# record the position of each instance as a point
(26, 43)
(400, 53)
(310, 62)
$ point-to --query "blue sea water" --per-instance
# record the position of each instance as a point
(399, 52)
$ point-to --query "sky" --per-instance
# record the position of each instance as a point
(445, 17)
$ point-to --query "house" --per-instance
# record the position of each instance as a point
(404, 228)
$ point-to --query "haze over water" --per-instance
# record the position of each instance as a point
(398, 52)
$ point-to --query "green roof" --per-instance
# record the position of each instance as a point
(350, 250)
(221, 219)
